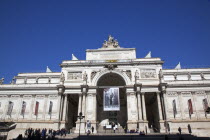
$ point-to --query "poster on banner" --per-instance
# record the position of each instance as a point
(111, 99)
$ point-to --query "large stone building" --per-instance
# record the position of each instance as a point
(147, 97)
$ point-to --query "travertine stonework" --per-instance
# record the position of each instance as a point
(151, 98)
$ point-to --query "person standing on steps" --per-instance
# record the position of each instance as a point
(180, 130)
(92, 129)
(189, 128)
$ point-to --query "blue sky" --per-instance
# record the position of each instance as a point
(39, 33)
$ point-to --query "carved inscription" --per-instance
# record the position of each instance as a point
(148, 73)
(74, 76)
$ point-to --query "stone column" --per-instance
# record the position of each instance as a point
(159, 106)
(80, 104)
(145, 122)
(32, 107)
(160, 110)
(132, 109)
(83, 104)
(195, 111)
(139, 106)
(64, 108)
(45, 107)
(181, 105)
(144, 107)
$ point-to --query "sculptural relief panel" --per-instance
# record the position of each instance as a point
(148, 73)
(74, 75)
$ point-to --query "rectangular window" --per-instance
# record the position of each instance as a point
(174, 107)
(190, 107)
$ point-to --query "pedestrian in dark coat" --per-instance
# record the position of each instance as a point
(92, 129)
(180, 130)
(189, 128)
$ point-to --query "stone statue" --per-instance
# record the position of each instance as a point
(202, 76)
(13, 81)
(37, 78)
(49, 80)
(111, 39)
(161, 74)
(85, 76)
(25, 80)
(175, 76)
(2, 81)
(105, 45)
(189, 76)
(116, 43)
(136, 75)
(62, 78)
(111, 43)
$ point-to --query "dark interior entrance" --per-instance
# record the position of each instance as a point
(72, 111)
(152, 112)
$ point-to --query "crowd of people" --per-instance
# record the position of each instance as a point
(38, 134)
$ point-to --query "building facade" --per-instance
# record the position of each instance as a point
(147, 97)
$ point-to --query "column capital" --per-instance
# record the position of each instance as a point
(61, 89)
(84, 89)
(137, 87)
(142, 93)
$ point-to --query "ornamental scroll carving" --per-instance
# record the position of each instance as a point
(74, 76)
(128, 73)
(148, 73)
(93, 74)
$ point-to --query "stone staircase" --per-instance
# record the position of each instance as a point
(134, 136)
(107, 131)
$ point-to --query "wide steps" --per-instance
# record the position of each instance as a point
(117, 136)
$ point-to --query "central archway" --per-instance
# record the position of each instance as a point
(106, 81)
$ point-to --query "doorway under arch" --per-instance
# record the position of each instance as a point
(109, 117)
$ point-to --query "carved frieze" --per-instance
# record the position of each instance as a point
(74, 75)
(148, 73)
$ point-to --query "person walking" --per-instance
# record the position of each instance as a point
(180, 130)
(92, 129)
(189, 128)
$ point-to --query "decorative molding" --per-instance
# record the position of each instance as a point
(27, 96)
(3, 96)
(15, 96)
(40, 96)
(186, 93)
(200, 92)
(172, 93)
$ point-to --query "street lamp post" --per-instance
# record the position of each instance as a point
(80, 118)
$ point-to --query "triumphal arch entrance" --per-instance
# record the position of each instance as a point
(112, 88)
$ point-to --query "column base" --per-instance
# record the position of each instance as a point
(162, 126)
(132, 125)
(80, 125)
(143, 126)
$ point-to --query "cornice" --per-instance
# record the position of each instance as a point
(188, 85)
(117, 63)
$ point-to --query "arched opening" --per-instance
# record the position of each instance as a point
(109, 117)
